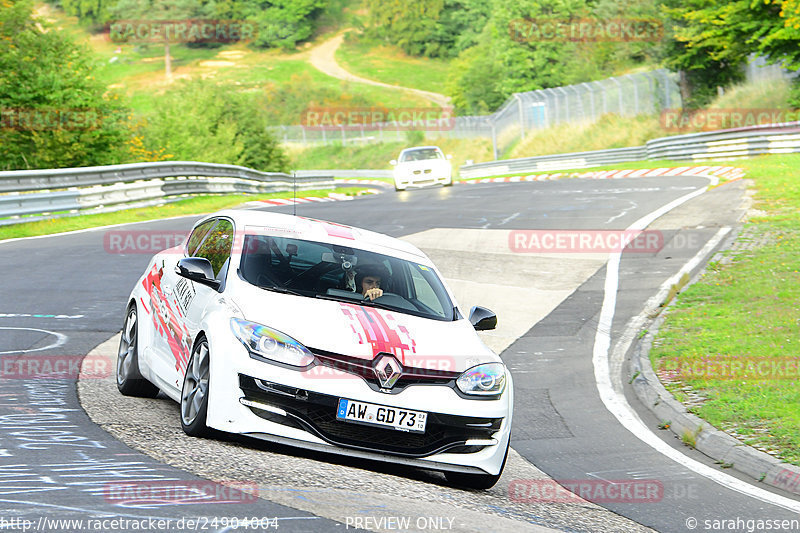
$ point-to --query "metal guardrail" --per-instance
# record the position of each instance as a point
(358, 173)
(547, 163)
(706, 146)
(76, 189)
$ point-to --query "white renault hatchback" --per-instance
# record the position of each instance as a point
(259, 325)
(420, 166)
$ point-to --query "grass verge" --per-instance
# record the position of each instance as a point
(197, 205)
(378, 155)
(731, 338)
(390, 65)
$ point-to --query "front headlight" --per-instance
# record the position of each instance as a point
(270, 343)
(483, 380)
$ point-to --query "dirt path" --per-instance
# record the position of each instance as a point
(323, 59)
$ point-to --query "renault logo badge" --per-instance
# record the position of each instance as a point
(387, 370)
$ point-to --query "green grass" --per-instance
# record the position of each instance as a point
(610, 131)
(746, 311)
(197, 205)
(378, 155)
(389, 64)
(138, 70)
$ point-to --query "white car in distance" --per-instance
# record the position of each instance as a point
(421, 166)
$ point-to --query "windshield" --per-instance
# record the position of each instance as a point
(322, 270)
(421, 155)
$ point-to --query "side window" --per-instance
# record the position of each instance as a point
(425, 293)
(217, 246)
(197, 236)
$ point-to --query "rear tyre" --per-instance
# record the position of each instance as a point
(194, 394)
(129, 381)
(475, 481)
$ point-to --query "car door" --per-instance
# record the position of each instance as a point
(193, 297)
(171, 296)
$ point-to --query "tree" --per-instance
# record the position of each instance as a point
(712, 41)
(434, 28)
(53, 112)
(92, 12)
(156, 10)
(201, 121)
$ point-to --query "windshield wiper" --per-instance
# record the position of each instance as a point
(357, 299)
(373, 303)
(282, 290)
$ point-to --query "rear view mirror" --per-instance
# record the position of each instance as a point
(449, 156)
(393, 162)
(482, 319)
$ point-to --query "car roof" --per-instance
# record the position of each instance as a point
(311, 229)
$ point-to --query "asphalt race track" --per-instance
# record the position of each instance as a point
(66, 450)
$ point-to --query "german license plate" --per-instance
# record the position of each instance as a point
(381, 415)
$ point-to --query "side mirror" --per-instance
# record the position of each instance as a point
(197, 269)
(482, 319)
(393, 162)
(449, 156)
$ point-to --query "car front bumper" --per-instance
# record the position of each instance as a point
(298, 408)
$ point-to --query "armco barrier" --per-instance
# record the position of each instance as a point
(75, 189)
(707, 146)
(554, 162)
(339, 173)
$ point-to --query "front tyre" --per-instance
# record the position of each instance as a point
(476, 481)
(129, 381)
(194, 394)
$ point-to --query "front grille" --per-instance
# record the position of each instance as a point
(366, 370)
(316, 413)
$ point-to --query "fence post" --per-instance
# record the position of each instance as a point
(518, 98)
(619, 93)
(494, 140)
(591, 99)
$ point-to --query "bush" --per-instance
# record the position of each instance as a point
(201, 121)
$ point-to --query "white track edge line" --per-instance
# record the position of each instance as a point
(617, 404)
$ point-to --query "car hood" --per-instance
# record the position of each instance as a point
(364, 332)
(421, 165)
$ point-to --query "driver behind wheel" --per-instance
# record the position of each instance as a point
(369, 279)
